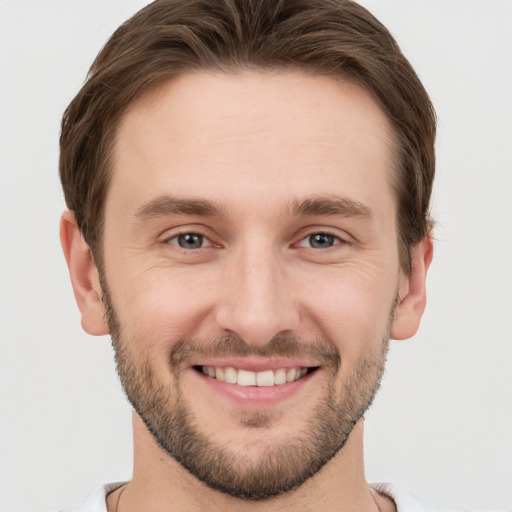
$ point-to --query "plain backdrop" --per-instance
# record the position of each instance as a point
(442, 422)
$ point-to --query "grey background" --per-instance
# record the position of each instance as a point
(441, 425)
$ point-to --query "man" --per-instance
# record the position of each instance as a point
(248, 186)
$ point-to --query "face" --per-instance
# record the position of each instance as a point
(251, 271)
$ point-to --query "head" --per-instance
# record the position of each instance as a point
(248, 186)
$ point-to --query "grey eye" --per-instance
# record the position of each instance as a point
(322, 240)
(189, 241)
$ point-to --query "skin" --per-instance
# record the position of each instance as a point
(255, 144)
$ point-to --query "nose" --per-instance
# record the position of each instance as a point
(258, 300)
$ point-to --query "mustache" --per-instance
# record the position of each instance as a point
(284, 345)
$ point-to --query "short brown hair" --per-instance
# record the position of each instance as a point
(336, 38)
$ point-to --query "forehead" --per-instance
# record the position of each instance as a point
(222, 136)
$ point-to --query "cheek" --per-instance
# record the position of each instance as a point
(161, 305)
(352, 309)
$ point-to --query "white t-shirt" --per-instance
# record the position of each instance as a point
(405, 501)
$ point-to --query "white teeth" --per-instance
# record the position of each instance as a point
(280, 376)
(291, 374)
(230, 375)
(265, 378)
(248, 378)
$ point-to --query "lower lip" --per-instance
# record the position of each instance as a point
(255, 396)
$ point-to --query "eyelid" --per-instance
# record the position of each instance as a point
(170, 235)
(341, 239)
(173, 233)
(206, 241)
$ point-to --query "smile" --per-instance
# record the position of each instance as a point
(264, 378)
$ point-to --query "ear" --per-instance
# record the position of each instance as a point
(84, 276)
(412, 297)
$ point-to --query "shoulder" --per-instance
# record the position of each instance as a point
(97, 500)
(407, 502)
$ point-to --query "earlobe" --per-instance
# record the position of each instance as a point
(84, 276)
(412, 293)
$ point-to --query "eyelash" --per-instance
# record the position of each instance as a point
(337, 240)
(191, 233)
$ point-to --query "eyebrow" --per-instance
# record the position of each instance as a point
(331, 205)
(167, 205)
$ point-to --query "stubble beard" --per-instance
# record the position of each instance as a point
(280, 468)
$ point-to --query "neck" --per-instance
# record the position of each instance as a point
(161, 484)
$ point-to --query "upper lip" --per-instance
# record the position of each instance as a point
(255, 364)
